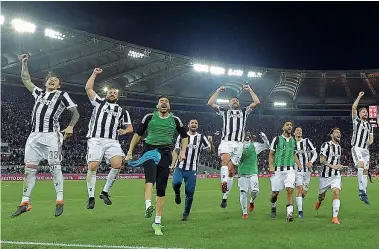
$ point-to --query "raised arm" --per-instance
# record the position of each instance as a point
(354, 108)
(90, 82)
(212, 100)
(255, 98)
(25, 76)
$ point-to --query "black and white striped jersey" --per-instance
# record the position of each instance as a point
(48, 108)
(106, 119)
(196, 144)
(306, 152)
(332, 153)
(362, 130)
(234, 123)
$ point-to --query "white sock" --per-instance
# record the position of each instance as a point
(289, 209)
(336, 207)
(158, 219)
(360, 178)
(365, 182)
(224, 173)
(29, 182)
(243, 201)
(147, 204)
(110, 179)
(91, 183)
(299, 203)
(253, 196)
(230, 184)
(56, 171)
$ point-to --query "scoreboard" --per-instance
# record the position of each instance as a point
(373, 115)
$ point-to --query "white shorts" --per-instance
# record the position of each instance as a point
(329, 183)
(248, 184)
(303, 179)
(234, 149)
(283, 179)
(43, 146)
(362, 155)
(99, 148)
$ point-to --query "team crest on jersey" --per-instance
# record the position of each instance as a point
(194, 146)
(112, 112)
(44, 101)
(235, 115)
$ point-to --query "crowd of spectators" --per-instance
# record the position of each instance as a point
(17, 104)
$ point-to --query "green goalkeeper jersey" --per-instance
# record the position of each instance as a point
(249, 160)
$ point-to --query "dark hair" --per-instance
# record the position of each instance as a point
(298, 127)
(360, 109)
(163, 97)
(234, 97)
(333, 129)
(289, 122)
(51, 74)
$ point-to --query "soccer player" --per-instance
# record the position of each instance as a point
(330, 177)
(233, 133)
(363, 137)
(108, 121)
(45, 140)
(304, 148)
(248, 171)
(187, 168)
(282, 159)
(160, 127)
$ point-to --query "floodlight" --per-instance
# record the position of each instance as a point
(22, 26)
(135, 54)
(105, 89)
(2, 20)
(217, 70)
(232, 72)
(201, 68)
(222, 101)
(281, 104)
(253, 74)
(54, 34)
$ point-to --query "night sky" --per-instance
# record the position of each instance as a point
(318, 35)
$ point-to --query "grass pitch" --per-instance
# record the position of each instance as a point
(123, 223)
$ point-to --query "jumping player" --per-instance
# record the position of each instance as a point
(45, 140)
(330, 177)
(108, 121)
(187, 169)
(363, 137)
(233, 133)
(248, 171)
(282, 159)
(160, 127)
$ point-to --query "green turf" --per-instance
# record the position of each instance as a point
(123, 223)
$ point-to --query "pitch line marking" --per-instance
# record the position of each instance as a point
(81, 245)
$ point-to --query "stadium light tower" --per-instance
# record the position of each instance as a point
(135, 54)
(2, 20)
(201, 68)
(217, 70)
(280, 104)
(54, 34)
(232, 72)
(23, 26)
(252, 74)
(222, 101)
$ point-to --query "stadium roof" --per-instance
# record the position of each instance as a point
(145, 73)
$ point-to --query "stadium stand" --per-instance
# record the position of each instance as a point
(315, 100)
